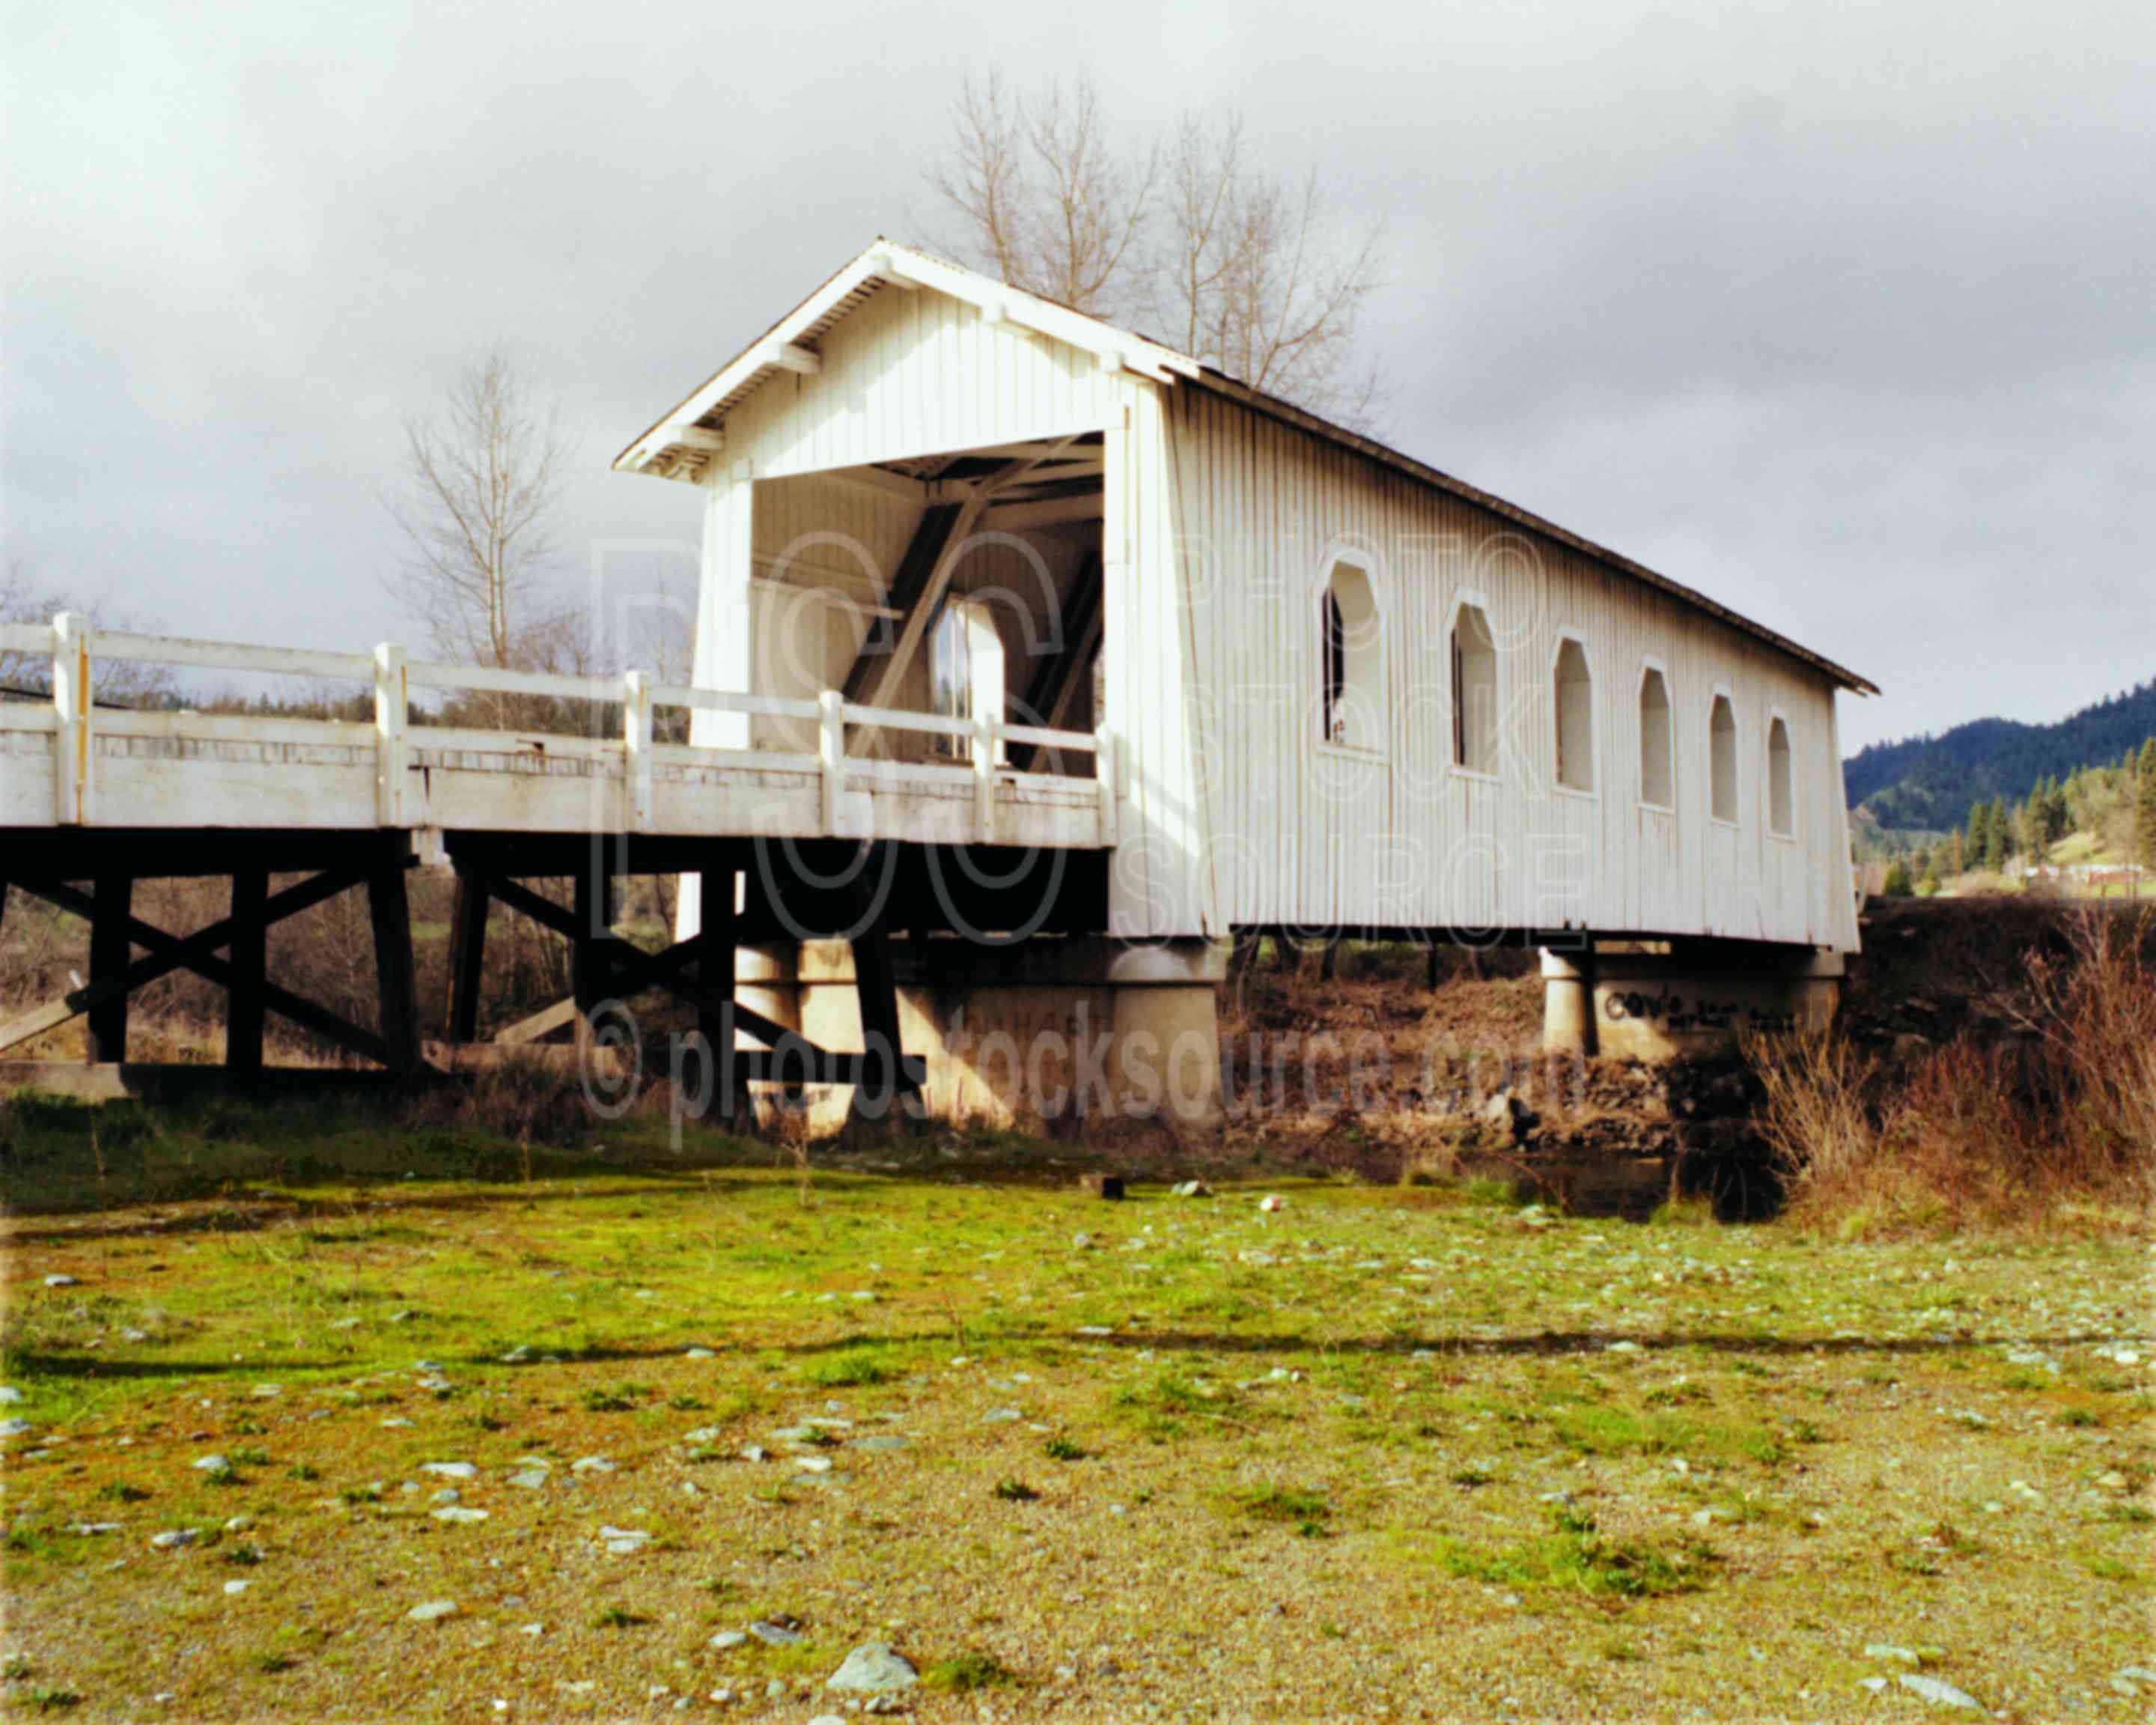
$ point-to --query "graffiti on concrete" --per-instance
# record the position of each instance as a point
(1674, 1015)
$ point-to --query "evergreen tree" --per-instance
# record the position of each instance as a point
(1929, 886)
(1898, 884)
(1998, 835)
(1979, 844)
(1955, 851)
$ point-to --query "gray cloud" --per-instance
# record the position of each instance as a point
(1847, 321)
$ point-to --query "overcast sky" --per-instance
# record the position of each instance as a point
(1848, 320)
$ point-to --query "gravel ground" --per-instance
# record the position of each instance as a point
(1415, 1454)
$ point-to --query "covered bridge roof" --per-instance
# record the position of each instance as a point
(682, 443)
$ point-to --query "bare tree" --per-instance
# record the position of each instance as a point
(118, 681)
(1239, 268)
(484, 474)
(1251, 277)
(1045, 199)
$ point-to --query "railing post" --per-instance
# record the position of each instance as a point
(74, 745)
(391, 699)
(636, 742)
(1105, 769)
(984, 777)
(831, 751)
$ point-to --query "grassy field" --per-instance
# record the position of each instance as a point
(1379, 1452)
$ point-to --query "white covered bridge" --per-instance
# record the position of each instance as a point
(1014, 623)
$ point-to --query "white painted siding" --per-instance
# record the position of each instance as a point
(1314, 836)
(913, 374)
(1219, 521)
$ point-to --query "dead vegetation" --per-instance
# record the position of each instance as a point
(2042, 1096)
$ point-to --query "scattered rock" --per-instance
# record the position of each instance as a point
(754, 1452)
(726, 1639)
(624, 1541)
(173, 1539)
(450, 1469)
(1192, 1188)
(15, 1428)
(1943, 1695)
(699, 1353)
(1081, 1242)
(212, 1464)
(239, 1524)
(874, 1669)
(235, 1587)
(83, 1530)
(434, 1611)
(1001, 1416)
(9, 1395)
(1271, 1202)
(1886, 1650)
(591, 1464)
(778, 1632)
(813, 1464)
(457, 1516)
(59, 1281)
(530, 1478)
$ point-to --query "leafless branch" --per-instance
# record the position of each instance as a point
(484, 474)
(1239, 267)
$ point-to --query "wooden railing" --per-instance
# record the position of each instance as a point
(76, 723)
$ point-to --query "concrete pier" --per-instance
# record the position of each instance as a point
(1664, 1000)
(1044, 1029)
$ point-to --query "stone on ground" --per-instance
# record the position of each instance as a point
(874, 1669)
(1945, 1695)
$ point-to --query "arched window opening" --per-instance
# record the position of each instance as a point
(1657, 758)
(1781, 782)
(1575, 718)
(965, 670)
(1722, 758)
(1352, 715)
(1474, 692)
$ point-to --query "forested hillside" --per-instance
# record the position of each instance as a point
(1929, 782)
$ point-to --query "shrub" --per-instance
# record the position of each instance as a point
(2064, 1110)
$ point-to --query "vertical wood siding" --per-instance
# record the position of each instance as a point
(913, 374)
(1219, 524)
(1314, 835)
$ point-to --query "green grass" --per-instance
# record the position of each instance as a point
(964, 1672)
(1579, 1558)
(1396, 1415)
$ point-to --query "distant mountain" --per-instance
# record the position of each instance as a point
(1929, 782)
